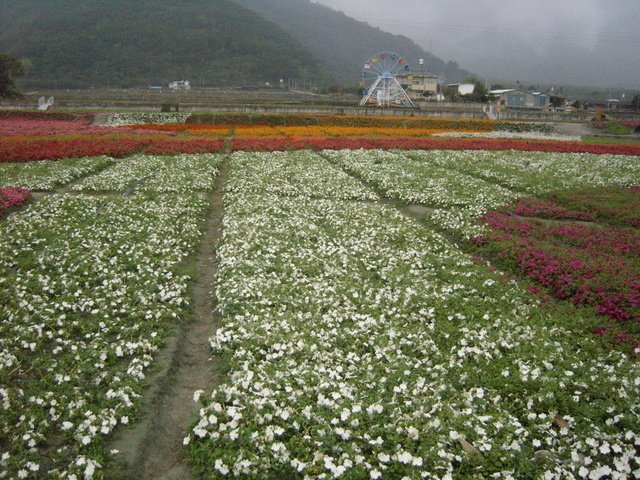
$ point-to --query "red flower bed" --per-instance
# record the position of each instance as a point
(27, 150)
(12, 198)
(261, 144)
(170, 146)
(337, 143)
(24, 149)
(596, 265)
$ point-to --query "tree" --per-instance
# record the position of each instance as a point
(9, 68)
(451, 93)
(480, 93)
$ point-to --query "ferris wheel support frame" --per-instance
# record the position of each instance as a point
(387, 91)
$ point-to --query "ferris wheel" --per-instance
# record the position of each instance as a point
(380, 83)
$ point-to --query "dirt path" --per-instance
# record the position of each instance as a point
(568, 128)
(153, 448)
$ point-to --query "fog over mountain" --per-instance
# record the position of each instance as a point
(576, 42)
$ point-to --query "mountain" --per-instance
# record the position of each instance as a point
(344, 44)
(80, 43)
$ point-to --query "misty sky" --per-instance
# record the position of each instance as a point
(577, 42)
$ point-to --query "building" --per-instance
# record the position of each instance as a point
(520, 99)
(463, 88)
(419, 85)
(180, 85)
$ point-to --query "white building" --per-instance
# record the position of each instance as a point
(180, 85)
(463, 88)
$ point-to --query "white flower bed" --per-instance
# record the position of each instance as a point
(513, 135)
(538, 172)
(139, 118)
(362, 345)
(417, 181)
(49, 174)
(89, 288)
(299, 173)
(152, 173)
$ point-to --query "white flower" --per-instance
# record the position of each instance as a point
(383, 457)
(405, 457)
(221, 467)
(196, 395)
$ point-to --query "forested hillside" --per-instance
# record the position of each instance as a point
(81, 43)
(342, 43)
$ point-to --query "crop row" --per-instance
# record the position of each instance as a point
(49, 174)
(26, 149)
(160, 174)
(363, 345)
(90, 288)
(300, 173)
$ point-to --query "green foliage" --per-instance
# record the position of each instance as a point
(9, 68)
(616, 129)
(131, 43)
(451, 93)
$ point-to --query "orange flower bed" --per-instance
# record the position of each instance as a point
(312, 131)
(379, 132)
(259, 131)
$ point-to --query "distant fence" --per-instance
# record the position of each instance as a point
(439, 110)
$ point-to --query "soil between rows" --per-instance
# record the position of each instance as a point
(153, 449)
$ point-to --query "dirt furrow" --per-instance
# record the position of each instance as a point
(153, 449)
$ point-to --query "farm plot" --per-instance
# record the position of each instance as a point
(89, 288)
(456, 199)
(463, 185)
(152, 173)
(49, 174)
(538, 173)
(301, 173)
(363, 345)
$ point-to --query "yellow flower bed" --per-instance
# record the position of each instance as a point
(258, 131)
(313, 131)
(377, 131)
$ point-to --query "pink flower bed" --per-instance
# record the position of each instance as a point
(32, 127)
(596, 265)
(531, 207)
(12, 198)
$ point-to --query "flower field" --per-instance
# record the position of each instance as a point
(27, 136)
(156, 174)
(362, 344)
(358, 341)
(49, 174)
